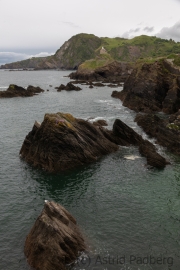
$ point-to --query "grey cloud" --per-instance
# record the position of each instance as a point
(170, 32)
(129, 34)
(9, 57)
(148, 29)
(71, 24)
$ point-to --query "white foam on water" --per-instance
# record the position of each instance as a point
(131, 157)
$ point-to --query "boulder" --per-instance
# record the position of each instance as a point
(55, 239)
(18, 91)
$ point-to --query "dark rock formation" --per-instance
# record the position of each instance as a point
(68, 87)
(18, 91)
(114, 72)
(165, 130)
(63, 142)
(152, 87)
(55, 240)
(100, 122)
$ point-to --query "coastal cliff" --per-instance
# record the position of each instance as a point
(82, 47)
(152, 87)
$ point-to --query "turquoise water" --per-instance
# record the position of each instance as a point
(126, 211)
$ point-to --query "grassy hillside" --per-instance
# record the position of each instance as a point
(139, 47)
(82, 47)
(97, 62)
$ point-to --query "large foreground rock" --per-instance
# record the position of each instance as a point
(152, 87)
(55, 240)
(63, 142)
(18, 91)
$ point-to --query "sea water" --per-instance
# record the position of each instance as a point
(129, 214)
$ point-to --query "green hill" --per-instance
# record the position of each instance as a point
(82, 47)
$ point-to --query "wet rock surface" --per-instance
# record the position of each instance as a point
(55, 239)
(63, 142)
(18, 91)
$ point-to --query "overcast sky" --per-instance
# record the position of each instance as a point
(40, 27)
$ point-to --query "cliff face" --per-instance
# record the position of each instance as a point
(152, 87)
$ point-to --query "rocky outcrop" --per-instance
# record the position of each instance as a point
(55, 240)
(18, 91)
(68, 87)
(126, 136)
(166, 130)
(152, 87)
(114, 72)
(63, 142)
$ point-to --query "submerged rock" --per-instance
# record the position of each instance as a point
(18, 91)
(55, 239)
(63, 142)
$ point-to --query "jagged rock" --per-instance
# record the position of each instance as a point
(126, 136)
(100, 122)
(55, 240)
(152, 87)
(165, 130)
(63, 142)
(18, 91)
(68, 87)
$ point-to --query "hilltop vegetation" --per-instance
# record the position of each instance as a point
(82, 47)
